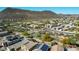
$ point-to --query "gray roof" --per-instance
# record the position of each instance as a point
(19, 44)
(30, 44)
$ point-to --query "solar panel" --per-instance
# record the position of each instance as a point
(13, 42)
(36, 46)
(45, 47)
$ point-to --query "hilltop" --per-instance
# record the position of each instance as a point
(14, 13)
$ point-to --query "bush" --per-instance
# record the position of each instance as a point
(25, 33)
(72, 41)
(47, 38)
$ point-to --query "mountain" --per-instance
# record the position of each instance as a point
(16, 14)
(13, 10)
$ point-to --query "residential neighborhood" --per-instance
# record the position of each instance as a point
(29, 33)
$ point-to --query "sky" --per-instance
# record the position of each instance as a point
(62, 10)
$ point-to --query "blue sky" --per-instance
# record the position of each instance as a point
(64, 10)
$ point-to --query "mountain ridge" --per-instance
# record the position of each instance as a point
(14, 13)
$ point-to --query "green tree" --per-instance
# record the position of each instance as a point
(72, 41)
(77, 36)
(38, 35)
(47, 38)
(77, 23)
(25, 33)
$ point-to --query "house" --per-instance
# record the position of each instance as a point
(13, 42)
(41, 47)
(57, 48)
(72, 49)
(4, 33)
(28, 46)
